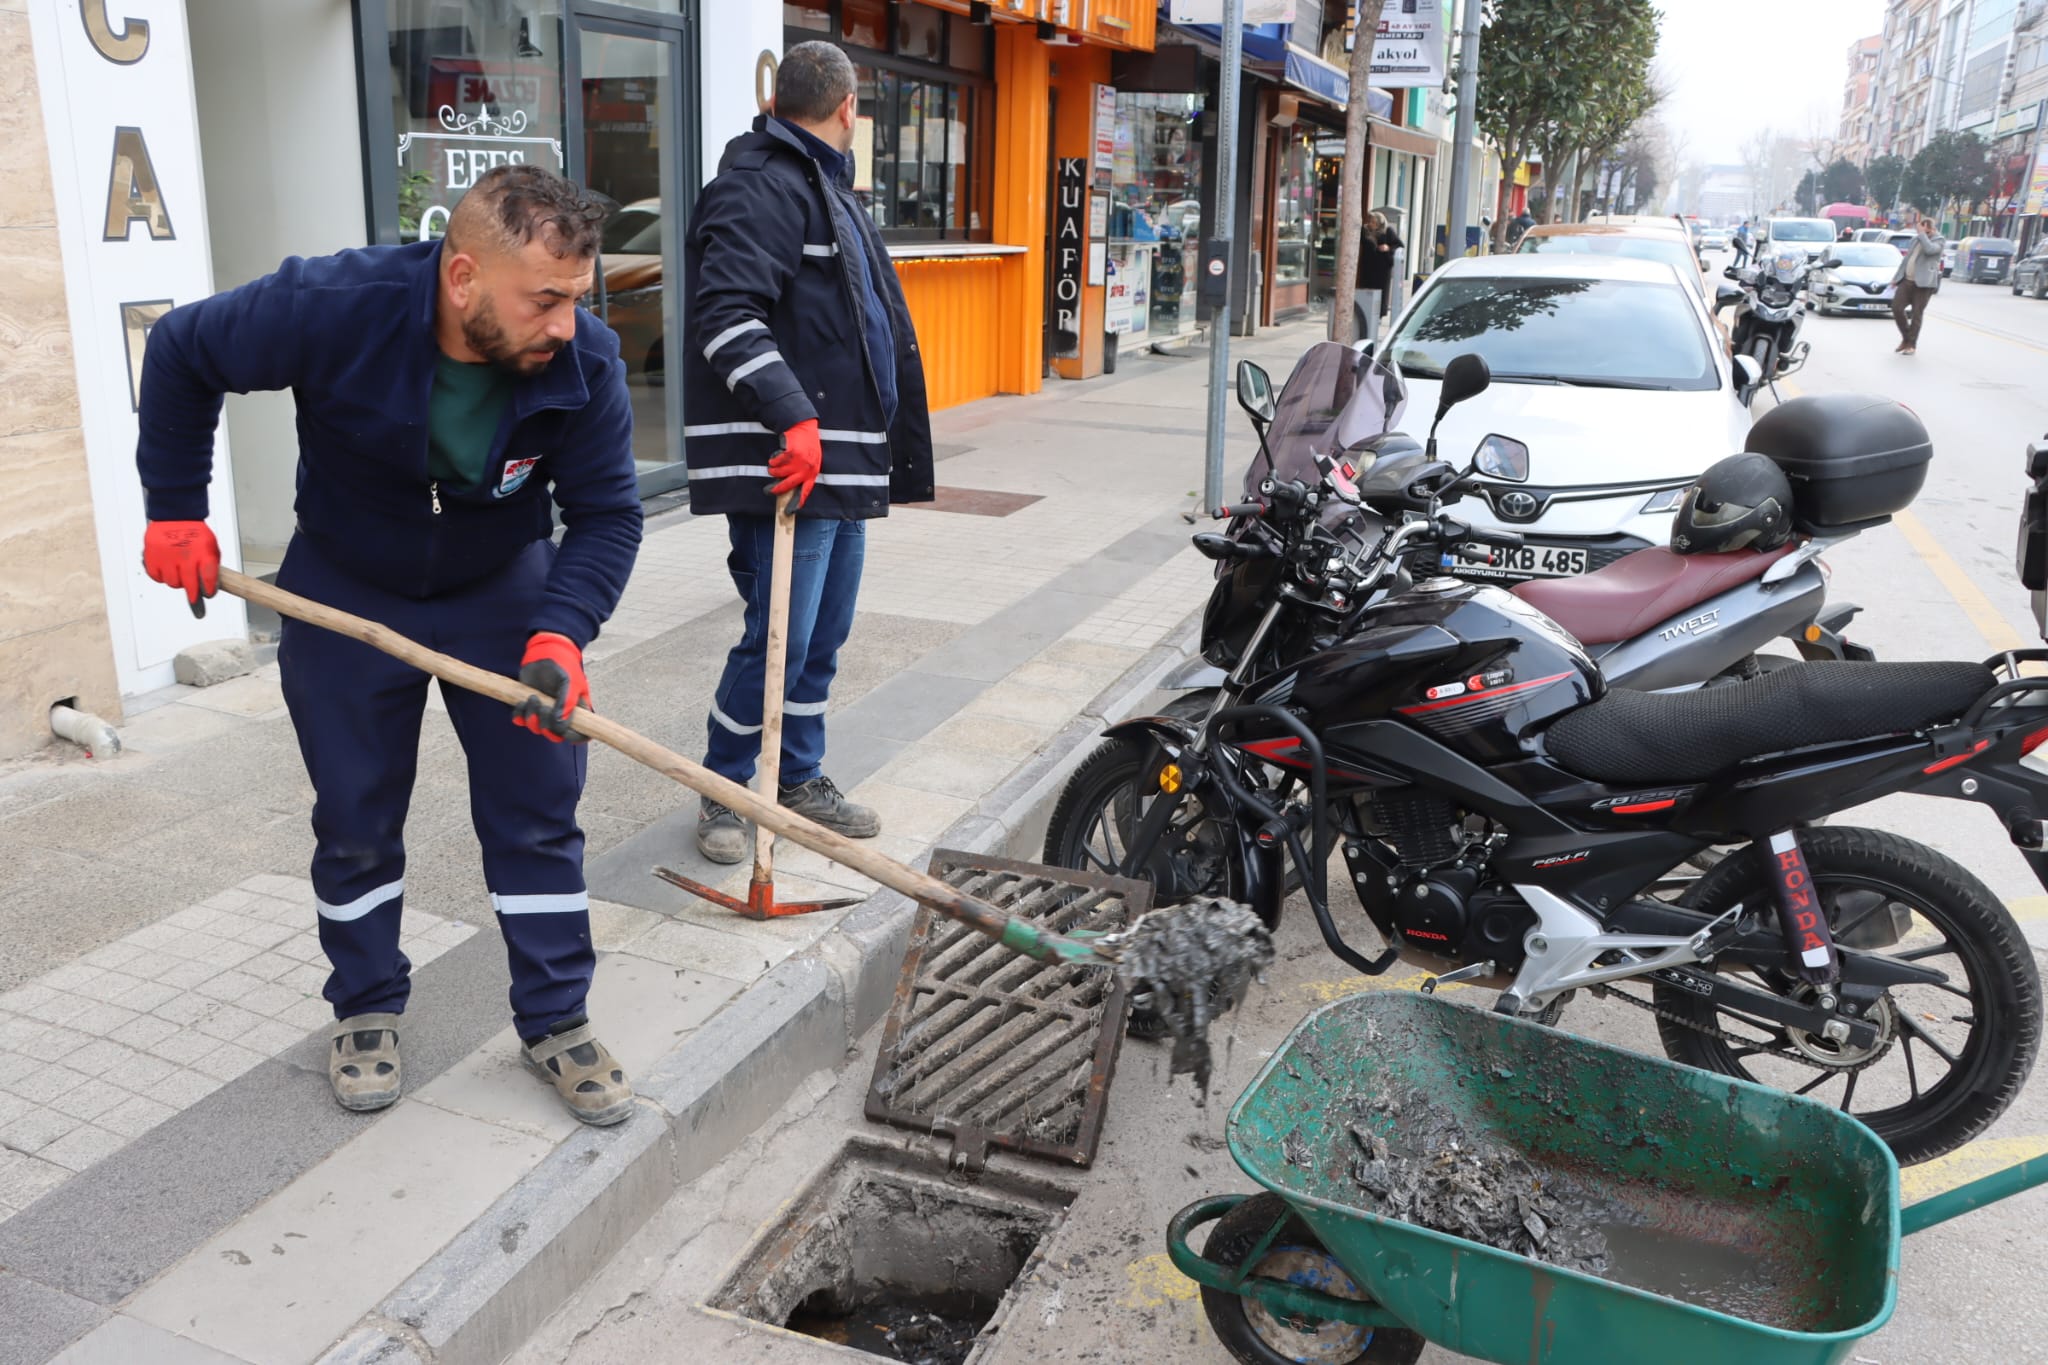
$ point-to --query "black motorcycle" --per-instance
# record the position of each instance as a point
(1504, 817)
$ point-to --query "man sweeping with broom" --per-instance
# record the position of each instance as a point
(448, 392)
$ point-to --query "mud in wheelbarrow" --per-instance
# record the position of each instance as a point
(1742, 1224)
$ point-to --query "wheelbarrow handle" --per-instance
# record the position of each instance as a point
(2002, 1184)
(1015, 934)
(1285, 1298)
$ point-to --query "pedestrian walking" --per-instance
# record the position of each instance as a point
(448, 392)
(1375, 280)
(803, 369)
(1740, 242)
(1917, 280)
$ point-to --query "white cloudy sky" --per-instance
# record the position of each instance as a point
(1740, 65)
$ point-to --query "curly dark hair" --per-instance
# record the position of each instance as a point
(510, 206)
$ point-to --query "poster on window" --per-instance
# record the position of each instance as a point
(1105, 133)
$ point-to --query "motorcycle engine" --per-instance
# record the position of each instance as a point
(1435, 896)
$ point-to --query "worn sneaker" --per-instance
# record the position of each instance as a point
(363, 1064)
(819, 800)
(721, 834)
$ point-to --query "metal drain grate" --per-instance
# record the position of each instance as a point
(992, 1048)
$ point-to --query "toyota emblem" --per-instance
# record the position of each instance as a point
(1517, 505)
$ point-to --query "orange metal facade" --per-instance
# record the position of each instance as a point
(981, 319)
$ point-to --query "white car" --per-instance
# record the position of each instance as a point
(1859, 281)
(1607, 369)
(1811, 236)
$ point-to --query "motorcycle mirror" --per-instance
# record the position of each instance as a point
(1255, 392)
(1727, 296)
(1502, 457)
(1467, 376)
(1729, 273)
(1750, 374)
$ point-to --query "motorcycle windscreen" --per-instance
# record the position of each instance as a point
(1335, 399)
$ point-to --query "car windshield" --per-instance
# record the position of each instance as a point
(1335, 399)
(1602, 333)
(1799, 230)
(1670, 250)
(633, 232)
(1866, 253)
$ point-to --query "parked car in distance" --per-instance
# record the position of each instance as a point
(1948, 260)
(1855, 277)
(1810, 235)
(1656, 240)
(2030, 276)
(1985, 260)
(1713, 239)
(1607, 367)
(1878, 234)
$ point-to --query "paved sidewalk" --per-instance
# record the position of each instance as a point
(175, 1182)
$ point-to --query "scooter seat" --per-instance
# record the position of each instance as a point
(1652, 737)
(1638, 590)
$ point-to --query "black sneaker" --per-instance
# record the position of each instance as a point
(721, 835)
(819, 800)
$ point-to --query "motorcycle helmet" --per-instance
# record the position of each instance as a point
(1741, 502)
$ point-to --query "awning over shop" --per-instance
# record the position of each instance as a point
(1396, 138)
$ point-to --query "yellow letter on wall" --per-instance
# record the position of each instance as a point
(132, 191)
(125, 50)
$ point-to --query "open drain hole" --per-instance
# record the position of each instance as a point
(883, 1254)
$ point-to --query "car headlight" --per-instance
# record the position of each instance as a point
(1665, 499)
(1502, 457)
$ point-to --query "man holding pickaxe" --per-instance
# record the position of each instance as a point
(802, 375)
(450, 394)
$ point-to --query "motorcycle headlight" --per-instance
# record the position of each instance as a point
(1501, 457)
(1665, 499)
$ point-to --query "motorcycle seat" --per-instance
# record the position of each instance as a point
(1656, 737)
(1638, 590)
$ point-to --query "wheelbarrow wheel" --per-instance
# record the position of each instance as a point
(1256, 1334)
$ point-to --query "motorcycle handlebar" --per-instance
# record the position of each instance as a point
(1231, 510)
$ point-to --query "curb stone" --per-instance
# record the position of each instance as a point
(481, 1296)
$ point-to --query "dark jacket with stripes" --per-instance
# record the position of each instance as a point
(775, 338)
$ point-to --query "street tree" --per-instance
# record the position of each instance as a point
(1755, 154)
(1545, 69)
(1351, 195)
(1841, 182)
(1882, 178)
(1953, 168)
(1807, 195)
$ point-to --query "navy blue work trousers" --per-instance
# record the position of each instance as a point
(358, 710)
(824, 583)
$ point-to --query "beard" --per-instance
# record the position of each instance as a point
(486, 336)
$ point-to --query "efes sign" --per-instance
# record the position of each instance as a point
(117, 97)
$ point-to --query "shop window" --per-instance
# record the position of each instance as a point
(469, 91)
(912, 153)
(865, 23)
(1155, 219)
(811, 16)
(920, 33)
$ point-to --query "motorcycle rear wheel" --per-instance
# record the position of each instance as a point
(1982, 1035)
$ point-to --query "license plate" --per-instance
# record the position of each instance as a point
(1541, 561)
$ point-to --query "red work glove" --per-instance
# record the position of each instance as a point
(183, 554)
(798, 462)
(553, 665)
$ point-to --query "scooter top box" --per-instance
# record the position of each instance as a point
(1853, 459)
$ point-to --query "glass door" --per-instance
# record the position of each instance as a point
(628, 130)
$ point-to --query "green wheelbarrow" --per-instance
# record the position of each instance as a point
(1743, 1224)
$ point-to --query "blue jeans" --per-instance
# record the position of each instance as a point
(824, 581)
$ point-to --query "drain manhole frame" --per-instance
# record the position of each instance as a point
(1056, 897)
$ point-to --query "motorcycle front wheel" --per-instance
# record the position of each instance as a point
(1948, 1058)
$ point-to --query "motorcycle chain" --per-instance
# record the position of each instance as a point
(1782, 1053)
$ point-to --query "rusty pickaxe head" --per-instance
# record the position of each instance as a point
(760, 902)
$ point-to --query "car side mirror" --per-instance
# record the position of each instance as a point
(1727, 296)
(1255, 392)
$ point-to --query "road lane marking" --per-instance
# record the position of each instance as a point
(1966, 1163)
(1990, 623)
(1326, 991)
(1156, 1282)
(2026, 909)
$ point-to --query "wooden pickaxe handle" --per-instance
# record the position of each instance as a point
(1016, 934)
(781, 563)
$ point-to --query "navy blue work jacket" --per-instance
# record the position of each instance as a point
(352, 336)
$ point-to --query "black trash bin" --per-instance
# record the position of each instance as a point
(1109, 352)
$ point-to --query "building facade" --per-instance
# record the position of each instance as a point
(160, 150)
(1859, 99)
